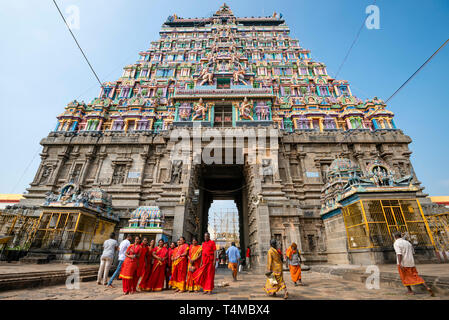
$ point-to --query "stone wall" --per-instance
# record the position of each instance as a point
(135, 168)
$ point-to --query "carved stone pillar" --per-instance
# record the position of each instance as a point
(101, 158)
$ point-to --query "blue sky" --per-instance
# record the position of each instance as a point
(42, 70)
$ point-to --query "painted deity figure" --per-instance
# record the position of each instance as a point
(200, 110)
(184, 112)
(263, 113)
(238, 76)
(206, 76)
(245, 109)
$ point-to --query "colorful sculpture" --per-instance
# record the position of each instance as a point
(250, 57)
(246, 109)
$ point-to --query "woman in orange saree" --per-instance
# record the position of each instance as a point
(128, 273)
(160, 257)
(194, 263)
(179, 271)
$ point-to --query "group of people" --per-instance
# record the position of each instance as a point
(144, 267)
(185, 267)
(275, 280)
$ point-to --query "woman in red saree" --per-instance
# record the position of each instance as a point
(128, 273)
(169, 263)
(160, 257)
(205, 274)
(141, 262)
(179, 271)
(194, 264)
(143, 286)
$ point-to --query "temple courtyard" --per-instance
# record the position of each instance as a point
(323, 284)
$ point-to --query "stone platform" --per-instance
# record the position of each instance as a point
(15, 276)
(435, 275)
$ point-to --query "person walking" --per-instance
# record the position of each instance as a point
(121, 257)
(109, 247)
(294, 263)
(233, 255)
(275, 280)
(248, 258)
(406, 264)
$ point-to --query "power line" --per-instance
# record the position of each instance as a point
(25, 170)
(416, 72)
(352, 45)
(87, 60)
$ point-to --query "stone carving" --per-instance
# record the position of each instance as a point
(45, 174)
(267, 171)
(176, 171)
(50, 197)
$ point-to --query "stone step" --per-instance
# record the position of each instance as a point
(440, 285)
(17, 281)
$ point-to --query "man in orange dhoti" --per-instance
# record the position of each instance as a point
(294, 263)
(128, 273)
(406, 264)
(205, 274)
(234, 259)
(194, 263)
(179, 270)
(160, 257)
(275, 281)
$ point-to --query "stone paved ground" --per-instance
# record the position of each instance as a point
(249, 287)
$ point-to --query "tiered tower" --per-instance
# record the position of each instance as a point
(223, 72)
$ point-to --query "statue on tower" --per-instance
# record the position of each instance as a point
(239, 75)
(206, 76)
(200, 110)
(246, 109)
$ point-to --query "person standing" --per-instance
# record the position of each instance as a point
(406, 264)
(205, 274)
(223, 256)
(129, 268)
(121, 257)
(233, 255)
(194, 263)
(294, 263)
(144, 263)
(169, 264)
(160, 257)
(275, 281)
(109, 248)
(248, 258)
(180, 262)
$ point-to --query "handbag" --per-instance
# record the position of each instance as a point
(272, 280)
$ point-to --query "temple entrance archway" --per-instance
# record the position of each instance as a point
(222, 182)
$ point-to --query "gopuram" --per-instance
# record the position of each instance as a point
(316, 165)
